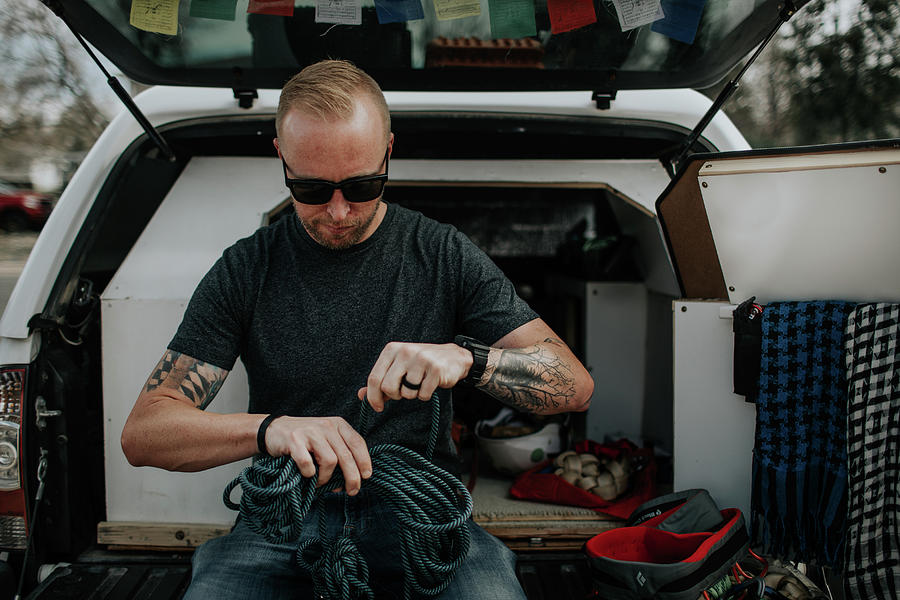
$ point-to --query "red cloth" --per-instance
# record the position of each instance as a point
(547, 487)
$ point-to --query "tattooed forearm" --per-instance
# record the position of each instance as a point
(197, 380)
(534, 379)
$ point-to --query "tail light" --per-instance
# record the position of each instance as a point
(12, 496)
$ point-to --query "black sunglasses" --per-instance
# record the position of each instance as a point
(320, 191)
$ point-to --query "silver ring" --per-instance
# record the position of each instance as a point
(407, 384)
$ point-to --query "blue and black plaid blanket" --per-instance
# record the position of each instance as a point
(799, 498)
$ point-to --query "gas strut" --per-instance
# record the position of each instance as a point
(787, 11)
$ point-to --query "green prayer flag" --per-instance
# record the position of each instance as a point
(223, 10)
(512, 18)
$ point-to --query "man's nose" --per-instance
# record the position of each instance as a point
(338, 207)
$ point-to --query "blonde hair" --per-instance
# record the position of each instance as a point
(330, 89)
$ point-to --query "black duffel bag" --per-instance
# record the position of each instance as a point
(671, 548)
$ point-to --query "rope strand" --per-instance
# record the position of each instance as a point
(432, 506)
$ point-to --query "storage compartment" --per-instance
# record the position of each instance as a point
(801, 225)
(580, 244)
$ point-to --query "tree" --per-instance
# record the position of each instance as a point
(831, 75)
(49, 111)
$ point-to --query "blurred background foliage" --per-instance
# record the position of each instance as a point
(830, 75)
(53, 104)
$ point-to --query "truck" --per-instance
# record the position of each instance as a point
(626, 207)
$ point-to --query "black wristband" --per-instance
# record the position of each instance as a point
(479, 358)
(261, 434)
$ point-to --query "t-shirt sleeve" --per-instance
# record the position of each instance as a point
(491, 308)
(213, 324)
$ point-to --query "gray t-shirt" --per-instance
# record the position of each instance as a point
(309, 322)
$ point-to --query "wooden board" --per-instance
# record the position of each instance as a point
(162, 536)
(547, 535)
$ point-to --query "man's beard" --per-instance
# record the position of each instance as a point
(359, 227)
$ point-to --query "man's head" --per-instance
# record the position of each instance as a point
(330, 90)
(333, 125)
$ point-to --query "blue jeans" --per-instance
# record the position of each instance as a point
(243, 565)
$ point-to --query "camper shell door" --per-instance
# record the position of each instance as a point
(797, 224)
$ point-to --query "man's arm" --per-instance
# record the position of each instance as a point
(529, 369)
(169, 429)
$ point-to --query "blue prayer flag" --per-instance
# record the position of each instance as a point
(398, 11)
(681, 20)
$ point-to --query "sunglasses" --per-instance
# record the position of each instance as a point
(320, 191)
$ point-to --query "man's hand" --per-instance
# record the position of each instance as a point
(324, 441)
(410, 370)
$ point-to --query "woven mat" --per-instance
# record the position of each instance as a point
(492, 502)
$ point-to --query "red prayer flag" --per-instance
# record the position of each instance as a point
(285, 8)
(566, 15)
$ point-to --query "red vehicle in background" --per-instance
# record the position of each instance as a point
(22, 209)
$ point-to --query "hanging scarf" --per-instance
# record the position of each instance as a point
(798, 503)
(873, 452)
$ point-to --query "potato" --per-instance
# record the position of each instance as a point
(571, 477)
(572, 463)
(590, 469)
(606, 487)
(560, 460)
(587, 483)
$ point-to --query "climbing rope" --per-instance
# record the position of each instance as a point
(431, 506)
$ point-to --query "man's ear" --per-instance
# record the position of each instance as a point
(390, 144)
(277, 149)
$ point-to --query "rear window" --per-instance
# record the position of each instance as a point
(456, 44)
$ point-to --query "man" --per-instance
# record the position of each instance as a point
(354, 300)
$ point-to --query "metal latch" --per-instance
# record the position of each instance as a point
(42, 414)
(245, 97)
(603, 99)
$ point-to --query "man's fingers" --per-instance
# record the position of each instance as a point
(425, 368)
(359, 450)
(354, 459)
(368, 394)
(374, 382)
(305, 462)
(429, 385)
(349, 469)
(325, 458)
(391, 383)
(412, 381)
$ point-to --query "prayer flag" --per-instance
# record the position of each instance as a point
(344, 12)
(681, 21)
(634, 13)
(566, 15)
(398, 11)
(284, 8)
(456, 9)
(223, 10)
(512, 18)
(156, 16)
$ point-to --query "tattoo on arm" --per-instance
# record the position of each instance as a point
(197, 380)
(531, 379)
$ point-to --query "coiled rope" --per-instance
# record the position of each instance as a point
(431, 505)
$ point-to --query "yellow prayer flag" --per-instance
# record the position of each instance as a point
(158, 16)
(456, 9)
